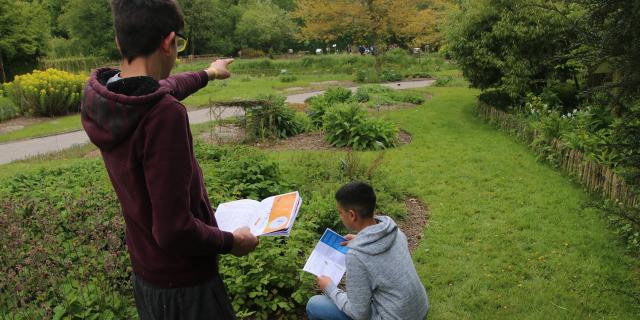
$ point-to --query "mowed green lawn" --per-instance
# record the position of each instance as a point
(508, 237)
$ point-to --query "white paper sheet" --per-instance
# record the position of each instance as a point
(328, 257)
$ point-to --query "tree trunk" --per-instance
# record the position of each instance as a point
(4, 76)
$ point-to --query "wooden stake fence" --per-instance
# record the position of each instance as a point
(593, 176)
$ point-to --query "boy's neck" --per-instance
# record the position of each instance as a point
(140, 67)
(365, 223)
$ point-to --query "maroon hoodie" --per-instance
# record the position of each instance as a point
(143, 133)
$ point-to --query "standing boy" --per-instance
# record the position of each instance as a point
(134, 116)
(382, 282)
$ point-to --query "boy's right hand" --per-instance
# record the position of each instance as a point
(219, 69)
(349, 237)
(243, 242)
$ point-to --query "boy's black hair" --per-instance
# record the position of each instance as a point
(359, 197)
(142, 24)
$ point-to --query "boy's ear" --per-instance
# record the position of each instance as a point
(353, 215)
(167, 42)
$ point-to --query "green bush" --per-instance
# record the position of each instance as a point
(327, 101)
(366, 76)
(497, 98)
(337, 95)
(350, 126)
(390, 76)
(418, 75)
(408, 97)
(381, 95)
(47, 93)
(443, 81)
(288, 78)
(303, 122)
(7, 109)
(271, 120)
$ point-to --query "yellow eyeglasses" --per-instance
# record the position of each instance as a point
(181, 42)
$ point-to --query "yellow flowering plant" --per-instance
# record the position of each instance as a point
(47, 93)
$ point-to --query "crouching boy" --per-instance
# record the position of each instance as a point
(382, 282)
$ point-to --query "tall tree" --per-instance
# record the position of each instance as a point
(209, 25)
(263, 25)
(90, 26)
(516, 46)
(24, 31)
(370, 21)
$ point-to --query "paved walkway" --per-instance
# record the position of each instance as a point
(25, 148)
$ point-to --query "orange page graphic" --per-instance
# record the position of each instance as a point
(281, 212)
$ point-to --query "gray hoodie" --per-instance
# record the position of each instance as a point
(382, 282)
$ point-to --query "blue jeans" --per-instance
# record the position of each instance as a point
(320, 307)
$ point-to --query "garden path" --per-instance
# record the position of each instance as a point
(18, 150)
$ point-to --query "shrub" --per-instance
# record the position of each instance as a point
(408, 97)
(381, 95)
(7, 109)
(366, 76)
(252, 53)
(390, 76)
(361, 96)
(418, 74)
(337, 95)
(303, 121)
(271, 120)
(443, 81)
(288, 78)
(47, 93)
(350, 126)
(320, 104)
(497, 98)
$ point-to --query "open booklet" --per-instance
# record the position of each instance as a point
(273, 216)
(328, 258)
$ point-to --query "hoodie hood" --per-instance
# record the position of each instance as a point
(110, 114)
(375, 239)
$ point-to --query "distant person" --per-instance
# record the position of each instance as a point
(134, 115)
(361, 49)
(382, 282)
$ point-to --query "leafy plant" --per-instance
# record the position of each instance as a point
(319, 105)
(390, 76)
(350, 126)
(271, 120)
(288, 78)
(7, 109)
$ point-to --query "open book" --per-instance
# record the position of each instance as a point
(328, 258)
(273, 216)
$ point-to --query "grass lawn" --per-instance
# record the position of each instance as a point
(54, 126)
(508, 237)
(248, 87)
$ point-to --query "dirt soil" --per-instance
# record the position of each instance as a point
(414, 223)
(315, 141)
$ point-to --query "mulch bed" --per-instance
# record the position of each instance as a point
(414, 223)
(315, 141)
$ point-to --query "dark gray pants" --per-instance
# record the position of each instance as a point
(206, 301)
